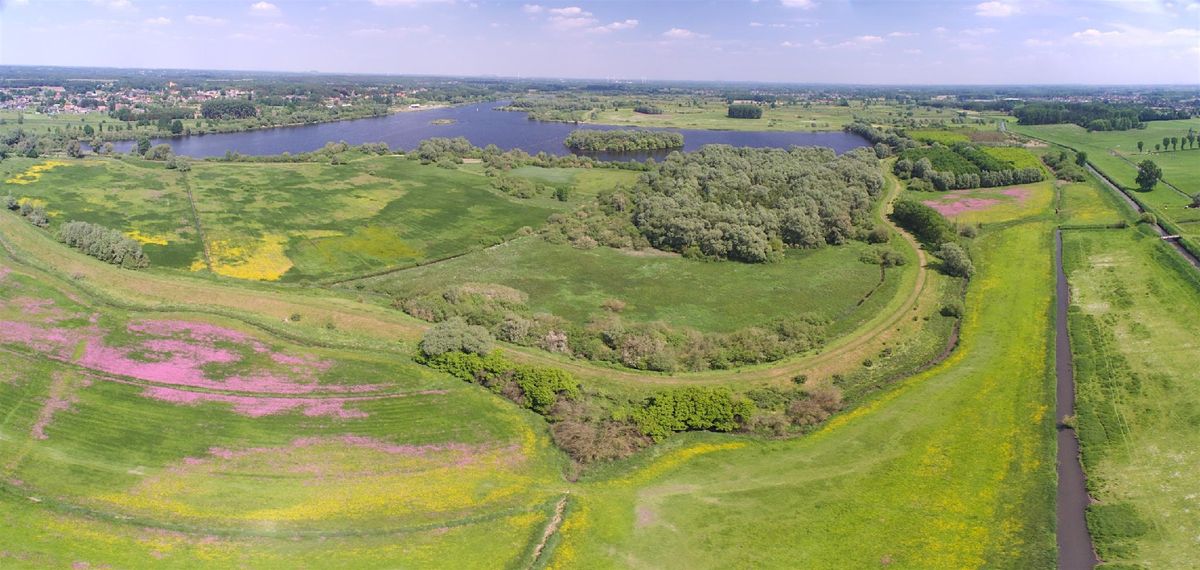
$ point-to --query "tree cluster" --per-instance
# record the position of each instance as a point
(228, 109)
(691, 409)
(1092, 116)
(36, 216)
(744, 111)
(648, 110)
(592, 140)
(1065, 166)
(747, 204)
(928, 225)
(107, 245)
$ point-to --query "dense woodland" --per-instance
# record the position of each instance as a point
(1094, 116)
(623, 140)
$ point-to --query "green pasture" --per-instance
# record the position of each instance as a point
(1135, 337)
(953, 468)
(655, 286)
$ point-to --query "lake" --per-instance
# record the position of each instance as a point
(480, 123)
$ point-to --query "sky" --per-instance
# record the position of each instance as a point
(791, 41)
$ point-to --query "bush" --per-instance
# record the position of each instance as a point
(534, 387)
(692, 408)
(927, 224)
(455, 335)
(952, 309)
(955, 260)
(647, 110)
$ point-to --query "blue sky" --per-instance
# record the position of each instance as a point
(810, 41)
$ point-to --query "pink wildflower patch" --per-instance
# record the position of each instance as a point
(960, 206)
(54, 342)
(256, 406)
(4, 271)
(1021, 194)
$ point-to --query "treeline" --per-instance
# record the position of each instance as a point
(648, 110)
(621, 140)
(504, 313)
(228, 109)
(588, 428)
(450, 152)
(895, 141)
(744, 112)
(1094, 116)
(1067, 165)
(940, 236)
(959, 166)
(153, 114)
(107, 245)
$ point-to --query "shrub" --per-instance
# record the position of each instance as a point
(455, 335)
(534, 387)
(692, 408)
(952, 309)
(927, 224)
(955, 260)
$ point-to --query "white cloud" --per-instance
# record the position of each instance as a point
(939, 30)
(159, 21)
(205, 20)
(801, 4)
(901, 34)
(1036, 43)
(406, 2)
(616, 26)
(1092, 36)
(570, 11)
(114, 4)
(682, 34)
(264, 9)
(976, 32)
(532, 9)
(995, 9)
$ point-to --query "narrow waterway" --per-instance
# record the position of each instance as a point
(1075, 549)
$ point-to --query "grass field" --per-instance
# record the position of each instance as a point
(722, 296)
(1115, 153)
(1135, 339)
(283, 221)
(952, 469)
(137, 439)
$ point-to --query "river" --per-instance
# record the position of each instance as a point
(480, 123)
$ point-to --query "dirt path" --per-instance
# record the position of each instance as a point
(1075, 549)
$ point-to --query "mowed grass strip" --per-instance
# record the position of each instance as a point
(1136, 339)
(952, 469)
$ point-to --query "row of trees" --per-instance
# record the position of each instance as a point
(647, 109)
(1092, 116)
(586, 433)
(36, 216)
(1188, 141)
(592, 140)
(504, 313)
(105, 244)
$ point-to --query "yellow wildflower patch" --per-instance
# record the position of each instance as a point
(263, 261)
(34, 173)
(142, 238)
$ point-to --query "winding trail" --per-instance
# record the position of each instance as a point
(1075, 549)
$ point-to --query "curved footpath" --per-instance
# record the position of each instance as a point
(1075, 549)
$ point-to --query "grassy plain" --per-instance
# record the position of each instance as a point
(1135, 339)
(953, 468)
(572, 283)
(710, 113)
(136, 438)
(1115, 153)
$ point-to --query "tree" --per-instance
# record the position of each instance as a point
(1148, 175)
(1191, 138)
(176, 127)
(1166, 143)
(1175, 142)
(88, 130)
(1156, 147)
(143, 145)
(1081, 158)
(955, 260)
(74, 149)
(1196, 200)
(1140, 145)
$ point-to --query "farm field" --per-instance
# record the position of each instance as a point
(828, 283)
(1134, 338)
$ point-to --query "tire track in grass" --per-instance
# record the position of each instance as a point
(187, 188)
